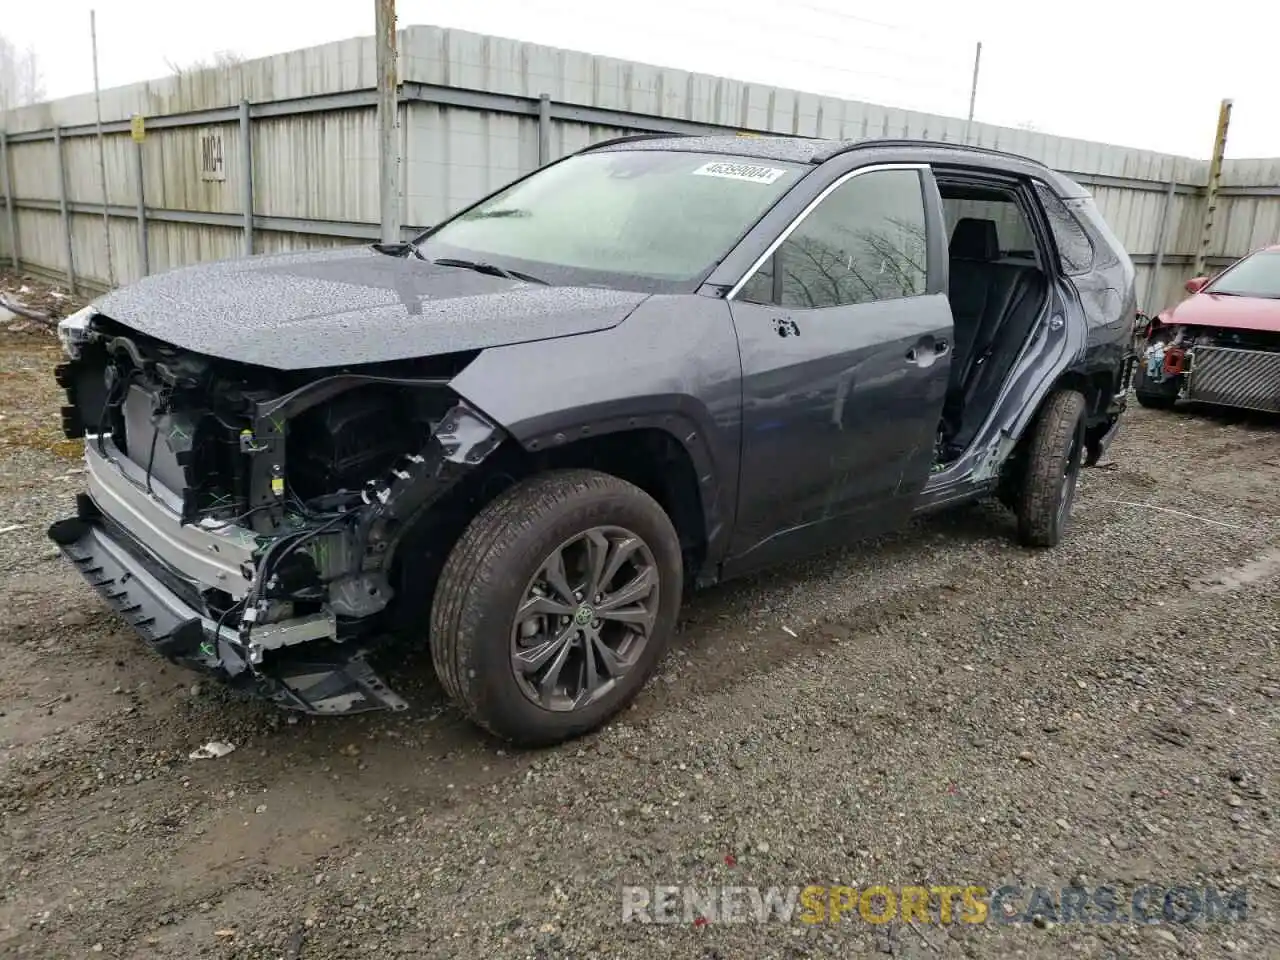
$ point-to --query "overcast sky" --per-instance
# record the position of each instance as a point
(1120, 71)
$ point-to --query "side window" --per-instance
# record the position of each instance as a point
(1013, 233)
(864, 242)
(1074, 249)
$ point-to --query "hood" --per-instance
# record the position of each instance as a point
(1215, 310)
(327, 308)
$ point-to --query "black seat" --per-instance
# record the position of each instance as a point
(994, 306)
(975, 248)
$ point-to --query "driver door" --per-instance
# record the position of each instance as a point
(845, 337)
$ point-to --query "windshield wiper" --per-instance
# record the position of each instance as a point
(504, 212)
(479, 266)
(396, 249)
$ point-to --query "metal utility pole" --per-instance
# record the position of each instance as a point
(1162, 238)
(1211, 189)
(973, 89)
(102, 150)
(388, 141)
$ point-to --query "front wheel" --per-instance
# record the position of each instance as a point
(1053, 470)
(555, 605)
(1152, 395)
(1156, 401)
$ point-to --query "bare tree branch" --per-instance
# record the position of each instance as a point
(221, 58)
(21, 82)
(883, 264)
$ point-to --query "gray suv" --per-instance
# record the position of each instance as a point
(515, 441)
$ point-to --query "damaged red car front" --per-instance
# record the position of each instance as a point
(1221, 345)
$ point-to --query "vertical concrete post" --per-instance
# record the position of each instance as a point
(973, 90)
(246, 175)
(144, 248)
(544, 129)
(1166, 212)
(388, 143)
(10, 202)
(102, 152)
(64, 209)
(404, 118)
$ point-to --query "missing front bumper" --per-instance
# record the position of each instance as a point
(315, 677)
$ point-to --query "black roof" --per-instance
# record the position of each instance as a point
(815, 151)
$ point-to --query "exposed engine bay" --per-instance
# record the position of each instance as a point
(1231, 367)
(272, 503)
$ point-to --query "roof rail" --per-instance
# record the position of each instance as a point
(935, 144)
(631, 138)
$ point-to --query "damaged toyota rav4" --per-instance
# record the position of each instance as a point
(516, 440)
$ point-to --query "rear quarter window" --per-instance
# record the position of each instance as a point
(1075, 251)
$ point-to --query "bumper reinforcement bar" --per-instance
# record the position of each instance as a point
(336, 679)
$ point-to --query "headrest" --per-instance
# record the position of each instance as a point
(975, 239)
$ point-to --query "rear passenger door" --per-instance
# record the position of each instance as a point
(845, 336)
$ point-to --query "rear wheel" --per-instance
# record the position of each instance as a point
(1053, 470)
(556, 605)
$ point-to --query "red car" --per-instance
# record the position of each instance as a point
(1220, 345)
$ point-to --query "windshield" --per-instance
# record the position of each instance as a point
(644, 219)
(1255, 276)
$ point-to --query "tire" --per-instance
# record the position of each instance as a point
(496, 566)
(1053, 470)
(1156, 401)
(1155, 396)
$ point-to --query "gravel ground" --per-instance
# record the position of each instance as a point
(938, 707)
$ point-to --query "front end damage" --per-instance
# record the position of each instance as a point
(246, 520)
(1223, 366)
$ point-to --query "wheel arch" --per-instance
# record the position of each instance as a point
(1013, 465)
(1096, 385)
(616, 437)
(652, 457)
(663, 454)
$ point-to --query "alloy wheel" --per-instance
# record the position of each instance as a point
(585, 618)
(1070, 479)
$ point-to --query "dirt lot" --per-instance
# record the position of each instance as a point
(939, 707)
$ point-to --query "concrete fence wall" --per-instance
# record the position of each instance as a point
(280, 153)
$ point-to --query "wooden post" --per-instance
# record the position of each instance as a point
(1211, 189)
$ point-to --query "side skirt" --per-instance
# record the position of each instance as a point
(950, 493)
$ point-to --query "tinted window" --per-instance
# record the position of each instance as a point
(1255, 276)
(864, 242)
(664, 215)
(1074, 249)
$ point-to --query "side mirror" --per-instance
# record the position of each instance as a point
(1196, 284)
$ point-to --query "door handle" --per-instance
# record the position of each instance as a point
(926, 350)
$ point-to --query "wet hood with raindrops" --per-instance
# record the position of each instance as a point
(352, 305)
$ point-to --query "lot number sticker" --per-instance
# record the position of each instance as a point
(740, 171)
